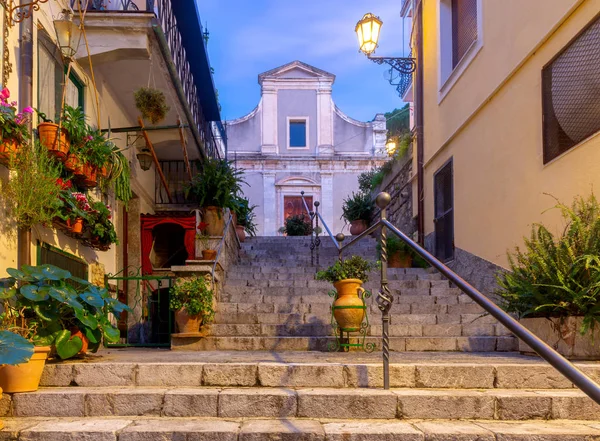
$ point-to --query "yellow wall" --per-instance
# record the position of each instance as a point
(491, 124)
(142, 182)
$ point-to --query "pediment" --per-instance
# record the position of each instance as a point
(296, 70)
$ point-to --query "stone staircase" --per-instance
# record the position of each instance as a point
(271, 301)
(451, 392)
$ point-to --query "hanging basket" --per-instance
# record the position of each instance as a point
(8, 149)
(54, 139)
(89, 176)
(73, 164)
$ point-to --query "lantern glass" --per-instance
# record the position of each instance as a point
(145, 159)
(367, 31)
(391, 146)
(68, 34)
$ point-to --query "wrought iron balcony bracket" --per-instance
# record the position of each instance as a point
(20, 12)
(404, 66)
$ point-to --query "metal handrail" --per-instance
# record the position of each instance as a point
(385, 299)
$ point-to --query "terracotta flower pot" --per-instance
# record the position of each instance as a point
(209, 254)
(74, 165)
(57, 144)
(349, 307)
(241, 233)
(104, 172)
(90, 176)
(400, 260)
(1, 423)
(213, 216)
(75, 332)
(75, 227)
(358, 226)
(186, 323)
(8, 149)
(24, 377)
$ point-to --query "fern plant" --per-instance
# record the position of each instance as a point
(558, 276)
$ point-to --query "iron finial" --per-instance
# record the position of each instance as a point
(317, 203)
(383, 200)
(340, 237)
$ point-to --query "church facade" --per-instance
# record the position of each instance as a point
(297, 140)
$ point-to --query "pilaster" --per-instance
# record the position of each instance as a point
(327, 197)
(270, 204)
(269, 120)
(324, 120)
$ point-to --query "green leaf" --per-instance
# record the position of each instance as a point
(94, 335)
(17, 274)
(33, 293)
(80, 281)
(65, 295)
(88, 321)
(14, 349)
(111, 334)
(92, 298)
(46, 312)
(55, 273)
(117, 307)
(67, 347)
(7, 293)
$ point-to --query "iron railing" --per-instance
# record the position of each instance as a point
(177, 177)
(168, 34)
(385, 299)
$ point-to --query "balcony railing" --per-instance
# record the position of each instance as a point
(166, 18)
(177, 177)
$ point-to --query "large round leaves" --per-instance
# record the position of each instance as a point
(35, 293)
(14, 349)
(66, 294)
(67, 346)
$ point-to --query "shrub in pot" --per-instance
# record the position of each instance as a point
(347, 277)
(400, 255)
(357, 209)
(298, 225)
(207, 252)
(22, 362)
(14, 130)
(214, 188)
(554, 282)
(62, 311)
(101, 229)
(192, 301)
(244, 215)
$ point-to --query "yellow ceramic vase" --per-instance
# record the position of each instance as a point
(349, 306)
(25, 377)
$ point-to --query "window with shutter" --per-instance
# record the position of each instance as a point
(464, 28)
(571, 93)
(54, 256)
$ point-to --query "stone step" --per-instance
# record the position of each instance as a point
(321, 403)
(323, 343)
(234, 429)
(441, 370)
(325, 329)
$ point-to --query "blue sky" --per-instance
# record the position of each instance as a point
(248, 37)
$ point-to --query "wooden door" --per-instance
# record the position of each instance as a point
(444, 212)
(293, 205)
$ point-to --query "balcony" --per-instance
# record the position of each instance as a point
(135, 43)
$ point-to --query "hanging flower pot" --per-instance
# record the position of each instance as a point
(89, 175)
(8, 149)
(209, 254)
(73, 164)
(75, 227)
(54, 139)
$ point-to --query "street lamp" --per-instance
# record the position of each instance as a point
(391, 147)
(368, 30)
(145, 158)
(68, 34)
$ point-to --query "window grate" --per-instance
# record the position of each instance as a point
(464, 28)
(571, 93)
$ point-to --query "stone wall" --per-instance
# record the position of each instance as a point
(397, 184)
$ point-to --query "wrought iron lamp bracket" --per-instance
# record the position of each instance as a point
(20, 12)
(405, 66)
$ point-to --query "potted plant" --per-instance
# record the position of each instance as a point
(215, 187)
(192, 301)
(100, 227)
(357, 209)
(99, 152)
(152, 104)
(53, 137)
(347, 277)
(14, 130)
(14, 351)
(298, 225)
(204, 238)
(22, 362)
(244, 216)
(400, 255)
(75, 210)
(67, 313)
(553, 284)
(32, 194)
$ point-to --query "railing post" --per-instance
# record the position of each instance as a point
(384, 297)
(317, 240)
(312, 230)
(340, 238)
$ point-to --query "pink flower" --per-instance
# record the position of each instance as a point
(28, 109)
(5, 94)
(89, 137)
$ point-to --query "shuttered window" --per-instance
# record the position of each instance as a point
(464, 28)
(571, 93)
(53, 256)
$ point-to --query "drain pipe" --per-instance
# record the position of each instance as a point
(25, 99)
(419, 119)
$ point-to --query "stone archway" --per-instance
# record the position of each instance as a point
(292, 187)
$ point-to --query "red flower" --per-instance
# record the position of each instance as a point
(202, 226)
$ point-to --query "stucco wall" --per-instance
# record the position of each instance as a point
(254, 191)
(500, 180)
(244, 136)
(296, 104)
(343, 186)
(349, 137)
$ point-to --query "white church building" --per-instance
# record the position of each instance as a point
(296, 140)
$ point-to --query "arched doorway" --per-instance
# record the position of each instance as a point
(168, 247)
